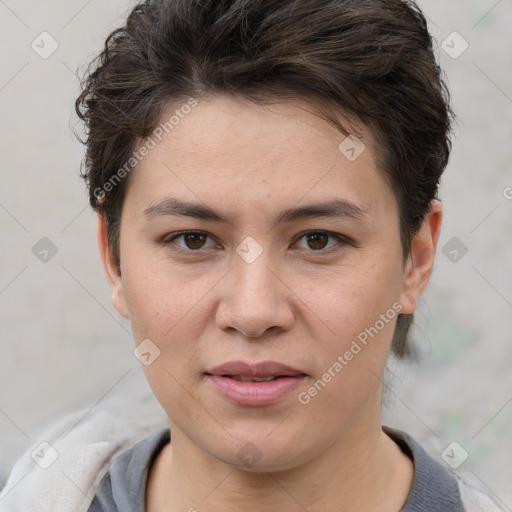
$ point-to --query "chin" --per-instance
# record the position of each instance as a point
(269, 463)
(258, 454)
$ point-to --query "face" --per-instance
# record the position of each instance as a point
(252, 248)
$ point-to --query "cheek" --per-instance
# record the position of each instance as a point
(360, 312)
(161, 304)
(169, 314)
(171, 311)
(354, 299)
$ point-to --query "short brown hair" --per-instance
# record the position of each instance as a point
(372, 60)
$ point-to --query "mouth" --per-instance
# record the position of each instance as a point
(244, 378)
(258, 384)
(258, 372)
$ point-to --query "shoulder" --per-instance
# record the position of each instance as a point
(435, 486)
(474, 500)
(122, 488)
(63, 467)
(65, 461)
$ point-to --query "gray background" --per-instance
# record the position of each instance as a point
(63, 345)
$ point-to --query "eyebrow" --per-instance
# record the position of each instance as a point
(171, 207)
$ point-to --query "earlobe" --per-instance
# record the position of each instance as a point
(111, 269)
(420, 263)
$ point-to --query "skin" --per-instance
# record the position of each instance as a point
(300, 303)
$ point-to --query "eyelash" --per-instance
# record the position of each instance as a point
(168, 240)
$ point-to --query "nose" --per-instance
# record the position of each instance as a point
(255, 299)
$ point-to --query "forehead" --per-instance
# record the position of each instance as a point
(238, 150)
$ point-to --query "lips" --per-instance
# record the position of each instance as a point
(258, 384)
(263, 371)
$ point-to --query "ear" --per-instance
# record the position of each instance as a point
(111, 269)
(420, 263)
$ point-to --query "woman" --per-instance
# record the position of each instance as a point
(265, 175)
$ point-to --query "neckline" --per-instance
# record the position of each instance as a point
(432, 483)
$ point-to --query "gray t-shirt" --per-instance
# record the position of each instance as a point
(434, 488)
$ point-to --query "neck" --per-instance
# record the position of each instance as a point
(363, 470)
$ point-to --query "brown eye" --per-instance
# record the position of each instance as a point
(194, 240)
(317, 240)
(191, 240)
